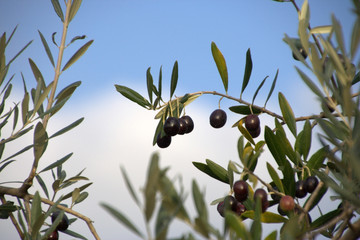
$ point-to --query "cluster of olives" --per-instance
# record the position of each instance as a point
(241, 192)
(62, 226)
(252, 124)
(174, 126)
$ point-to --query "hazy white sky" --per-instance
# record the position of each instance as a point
(131, 36)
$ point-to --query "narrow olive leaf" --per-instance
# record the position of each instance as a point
(25, 107)
(218, 170)
(81, 189)
(42, 98)
(163, 220)
(81, 197)
(272, 87)
(58, 9)
(271, 236)
(23, 49)
(151, 186)
(18, 153)
(231, 173)
(318, 158)
(47, 49)
(37, 74)
(256, 224)
(67, 128)
(235, 223)
(9, 39)
(76, 38)
(356, 79)
(160, 82)
(77, 55)
(244, 109)
(37, 225)
(275, 177)
(149, 83)
(53, 38)
(247, 72)
(42, 185)
(258, 89)
(355, 38)
(57, 163)
(75, 5)
(220, 64)
(199, 201)
(245, 133)
(121, 218)
(132, 95)
(266, 217)
(306, 139)
(54, 109)
(6, 164)
(338, 34)
(273, 143)
(40, 140)
(288, 173)
(129, 185)
(74, 234)
(174, 78)
(35, 208)
(206, 169)
(325, 218)
(287, 113)
(75, 195)
(321, 29)
(16, 116)
(67, 91)
(310, 83)
(158, 131)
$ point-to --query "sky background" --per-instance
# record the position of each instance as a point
(130, 36)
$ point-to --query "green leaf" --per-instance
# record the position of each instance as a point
(247, 73)
(325, 218)
(40, 141)
(304, 140)
(42, 185)
(163, 220)
(272, 87)
(42, 98)
(272, 143)
(37, 74)
(74, 234)
(272, 236)
(266, 217)
(258, 89)
(2, 167)
(35, 208)
(275, 177)
(57, 163)
(19, 52)
(174, 78)
(199, 201)
(75, 5)
(25, 107)
(81, 189)
(246, 134)
(47, 49)
(310, 83)
(235, 223)
(65, 93)
(287, 113)
(67, 128)
(16, 116)
(151, 186)
(219, 171)
(355, 38)
(318, 158)
(220, 64)
(256, 225)
(82, 197)
(289, 179)
(75, 195)
(132, 95)
(160, 82)
(77, 55)
(58, 9)
(244, 109)
(18, 153)
(149, 83)
(129, 185)
(206, 169)
(321, 29)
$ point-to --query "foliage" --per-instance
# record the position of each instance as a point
(30, 215)
(334, 81)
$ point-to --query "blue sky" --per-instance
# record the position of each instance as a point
(131, 36)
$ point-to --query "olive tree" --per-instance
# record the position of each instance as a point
(298, 173)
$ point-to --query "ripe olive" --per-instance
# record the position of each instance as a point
(230, 203)
(171, 126)
(240, 190)
(53, 236)
(300, 190)
(262, 195)
(183, 126)
(218, 118)
(221, 208)
(252, 122)
(311, 183)
(164, 141)
(189, 123)
(64, 223)
(240, 208)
